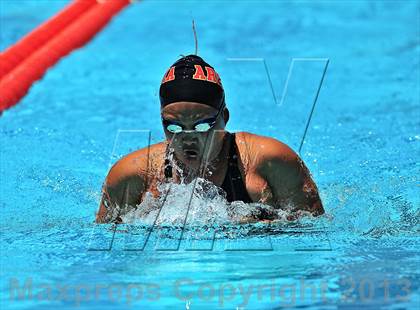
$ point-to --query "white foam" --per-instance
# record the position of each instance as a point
(200, 203)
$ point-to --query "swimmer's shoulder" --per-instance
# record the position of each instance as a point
(127, 179)
(138, 164)
(260, 149)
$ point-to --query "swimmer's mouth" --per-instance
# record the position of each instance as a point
(190, 153)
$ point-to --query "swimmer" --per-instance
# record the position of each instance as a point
(245, 166)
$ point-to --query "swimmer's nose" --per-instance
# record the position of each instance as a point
(189, 141)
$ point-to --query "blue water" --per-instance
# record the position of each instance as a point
(362, 147)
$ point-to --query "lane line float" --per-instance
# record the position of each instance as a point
(27, 61)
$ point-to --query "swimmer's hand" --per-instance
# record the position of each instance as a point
(259, 213)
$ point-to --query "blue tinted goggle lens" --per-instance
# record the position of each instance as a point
(201, 127)
(174, 128)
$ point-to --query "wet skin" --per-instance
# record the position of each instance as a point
(272, 172)
(189, 146)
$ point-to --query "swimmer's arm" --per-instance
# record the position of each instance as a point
(289, 180)
(122, 189)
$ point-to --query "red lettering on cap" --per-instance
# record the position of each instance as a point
(211, 75)
(199, 73)
(169, 75)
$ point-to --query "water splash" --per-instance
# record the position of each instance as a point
(199, 203)
(202, 204)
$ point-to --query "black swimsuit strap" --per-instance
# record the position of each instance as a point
(233, 184)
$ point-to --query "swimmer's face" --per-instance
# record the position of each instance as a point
(191, 144)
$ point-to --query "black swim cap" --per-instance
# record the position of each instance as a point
(190, 78)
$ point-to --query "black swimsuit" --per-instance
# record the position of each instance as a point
(233, 184)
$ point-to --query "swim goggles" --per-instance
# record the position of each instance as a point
(203, 125)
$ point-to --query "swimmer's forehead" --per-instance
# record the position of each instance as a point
(188, 110)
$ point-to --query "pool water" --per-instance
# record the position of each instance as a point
(100, 102)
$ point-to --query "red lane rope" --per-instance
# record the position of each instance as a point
(15, 54)
(18, 81)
